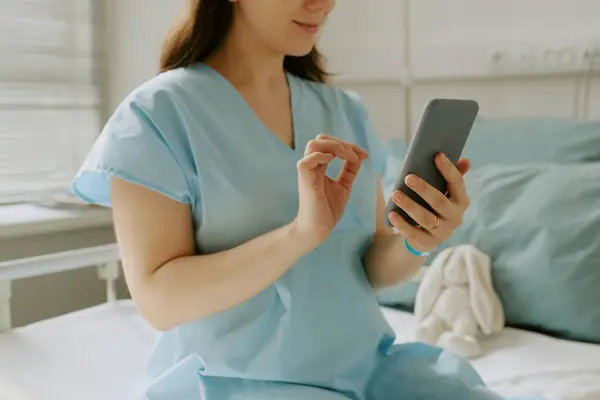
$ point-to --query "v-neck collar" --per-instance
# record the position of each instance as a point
(249, 112)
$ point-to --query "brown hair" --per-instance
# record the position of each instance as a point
(203, 27)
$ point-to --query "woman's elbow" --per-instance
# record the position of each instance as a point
(151, 304)
(153, 313)
(158, 323)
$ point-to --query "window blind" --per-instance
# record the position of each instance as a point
(50, 103)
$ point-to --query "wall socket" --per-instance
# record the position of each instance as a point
(545, 59)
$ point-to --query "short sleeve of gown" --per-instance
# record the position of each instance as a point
(379, 151)
(131, 148)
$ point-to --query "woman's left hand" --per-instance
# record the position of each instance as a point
(450, 209)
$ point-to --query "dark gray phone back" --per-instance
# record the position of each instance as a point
(444, 127)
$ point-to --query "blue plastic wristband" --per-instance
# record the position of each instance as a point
(416, 252)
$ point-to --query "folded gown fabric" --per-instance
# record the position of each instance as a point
(412, 371)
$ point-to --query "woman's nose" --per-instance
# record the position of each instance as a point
(320, 5)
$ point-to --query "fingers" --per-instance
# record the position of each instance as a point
(438, 201)
(348, 174)
(418, 238)
(464, 165)
(331, 146)
(351, 154)
(456, 182)
(313, 160)
(439, 227)
(359, 151)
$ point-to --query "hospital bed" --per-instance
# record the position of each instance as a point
(100, 352)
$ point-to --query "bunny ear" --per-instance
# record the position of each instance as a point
(485, 303)
(431, 285)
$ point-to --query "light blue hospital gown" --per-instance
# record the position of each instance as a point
(318, 332)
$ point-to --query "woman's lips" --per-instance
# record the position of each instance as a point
(308, 28)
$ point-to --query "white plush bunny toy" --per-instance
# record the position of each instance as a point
(456, 301)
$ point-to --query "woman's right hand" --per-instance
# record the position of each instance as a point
(322, 200)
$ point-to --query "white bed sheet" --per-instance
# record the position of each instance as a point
(100, 353)
(97, 353)
(518, 362)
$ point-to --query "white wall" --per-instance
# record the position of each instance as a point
(535, 37)
(458, 39)
(135, 32)
(365, 41)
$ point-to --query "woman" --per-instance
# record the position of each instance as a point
(254, 243)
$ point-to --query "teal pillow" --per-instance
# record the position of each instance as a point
(525, 140)
(540, 223)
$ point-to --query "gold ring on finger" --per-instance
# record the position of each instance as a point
(437, 224)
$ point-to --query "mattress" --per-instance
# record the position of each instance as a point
(100, 353)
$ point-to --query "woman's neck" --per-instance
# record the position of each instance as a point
(247, 63)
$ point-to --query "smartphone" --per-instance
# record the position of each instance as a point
(444, 128)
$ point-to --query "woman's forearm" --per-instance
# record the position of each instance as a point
(189, 288)
(387, 262)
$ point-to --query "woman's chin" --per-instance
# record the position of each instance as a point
(300, 49)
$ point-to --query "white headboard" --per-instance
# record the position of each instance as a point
(516, 57)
